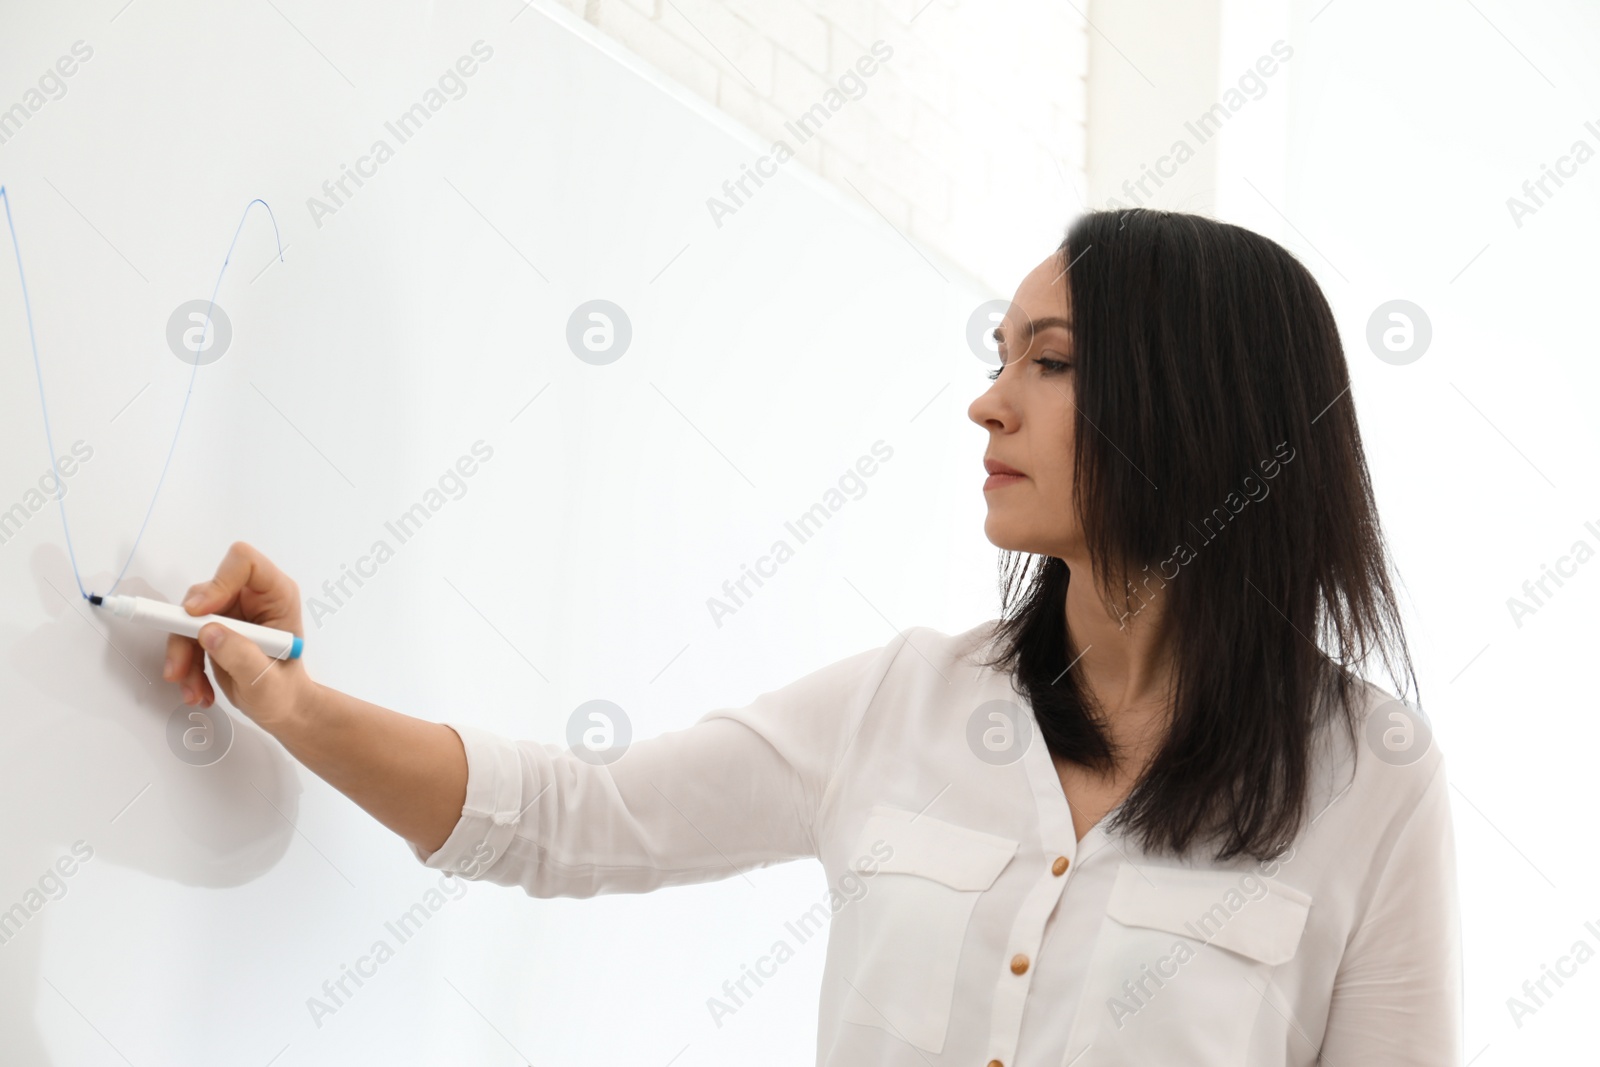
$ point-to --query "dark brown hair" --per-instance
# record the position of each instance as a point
(1219, 469)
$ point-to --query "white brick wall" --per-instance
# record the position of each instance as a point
(970, 139)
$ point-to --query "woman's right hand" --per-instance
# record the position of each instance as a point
(247, 586)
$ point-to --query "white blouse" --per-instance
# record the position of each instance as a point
(968, 924)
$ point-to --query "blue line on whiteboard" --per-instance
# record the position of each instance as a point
(39, 374)
(28, 308)
(173, 447)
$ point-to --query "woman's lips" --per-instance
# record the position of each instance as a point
(1000, 474)
(995, 481)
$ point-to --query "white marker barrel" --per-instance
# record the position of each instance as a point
(279, 644)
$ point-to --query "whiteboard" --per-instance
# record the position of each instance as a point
(209, 901)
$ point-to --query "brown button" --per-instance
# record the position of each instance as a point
(1019, 963)
(1059, 867)
(996, 1063)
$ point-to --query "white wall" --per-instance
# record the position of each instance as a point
(969, 139)
(427, 314)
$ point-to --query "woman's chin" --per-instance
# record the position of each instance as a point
(1007, 536)
(1004, 536)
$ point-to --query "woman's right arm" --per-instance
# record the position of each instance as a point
(410, 774)
(740, 788)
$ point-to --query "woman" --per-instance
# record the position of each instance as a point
(1222, 848)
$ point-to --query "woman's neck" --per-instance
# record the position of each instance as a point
(1124, 664)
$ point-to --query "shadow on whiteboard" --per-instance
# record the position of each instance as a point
(105, 765)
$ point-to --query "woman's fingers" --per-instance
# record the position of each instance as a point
(247, 586)
(249, 581)
(179, 651)
(186, 666)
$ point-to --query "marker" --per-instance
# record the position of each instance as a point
(279, 644)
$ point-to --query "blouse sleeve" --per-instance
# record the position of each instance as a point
(1397, 995)
(738, 789)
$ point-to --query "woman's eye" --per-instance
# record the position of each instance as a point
(1048, 366)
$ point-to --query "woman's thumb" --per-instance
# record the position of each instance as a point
(232, 651)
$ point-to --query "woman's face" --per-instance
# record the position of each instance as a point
(1028, 412)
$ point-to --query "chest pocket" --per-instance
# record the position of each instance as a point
(912, 921)
(1182, 965)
